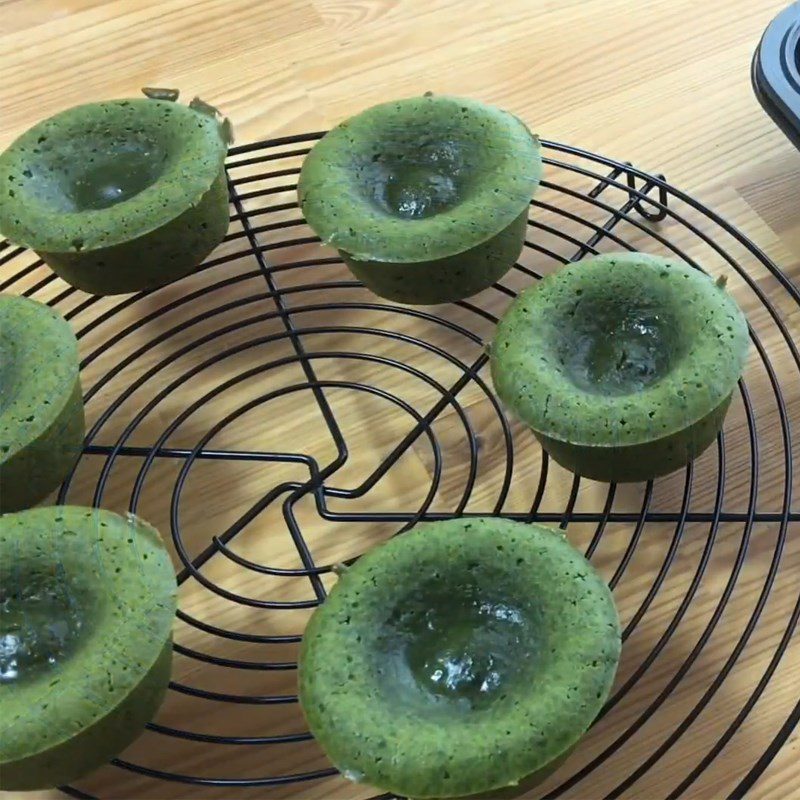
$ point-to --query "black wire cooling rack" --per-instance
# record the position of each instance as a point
(386, 418)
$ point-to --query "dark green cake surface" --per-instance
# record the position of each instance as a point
(426, 198)
(623, 364)
(88, 599)
(118, 196)
(459, 658)
(41, 407)
(419, 179)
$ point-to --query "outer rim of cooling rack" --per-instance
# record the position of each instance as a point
(649, 197)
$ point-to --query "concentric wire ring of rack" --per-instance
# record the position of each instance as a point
(396, 422)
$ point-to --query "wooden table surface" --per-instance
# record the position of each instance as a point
(665, 85)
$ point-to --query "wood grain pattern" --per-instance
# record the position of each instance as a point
(662, 84)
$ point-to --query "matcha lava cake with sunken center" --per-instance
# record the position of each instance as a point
(87, 601)
(426, 198)
(461, 657)
(41, 407)
(119, 196)
(623, 365)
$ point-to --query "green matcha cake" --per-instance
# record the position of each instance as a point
(426, 198)
(623, 365)
(119, 196)
(41, 407)
(88, 600)
(459, 658)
